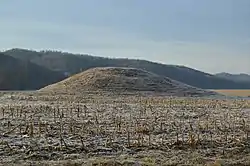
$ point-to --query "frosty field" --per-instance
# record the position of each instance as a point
(104, 129)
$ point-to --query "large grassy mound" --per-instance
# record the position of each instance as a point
(116, 79)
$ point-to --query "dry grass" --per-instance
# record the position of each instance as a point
(233, 92)
(123, 130)
(113, 79)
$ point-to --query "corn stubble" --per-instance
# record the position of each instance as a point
(101, 127)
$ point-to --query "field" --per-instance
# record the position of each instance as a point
(234, 92)
(94, 129)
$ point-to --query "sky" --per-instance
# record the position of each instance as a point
(208, 35)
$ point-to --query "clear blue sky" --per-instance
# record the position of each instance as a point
(209, 35)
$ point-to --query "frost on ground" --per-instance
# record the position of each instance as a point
(92, 129)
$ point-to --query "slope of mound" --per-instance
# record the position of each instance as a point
(114, 79)
(23, 75)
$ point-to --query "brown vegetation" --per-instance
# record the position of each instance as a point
(234, 92)
(114, 79)
(123, 130)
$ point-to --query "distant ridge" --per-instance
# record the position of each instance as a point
(118, 79)
(23, 75)
(235, 77)
(70, 64)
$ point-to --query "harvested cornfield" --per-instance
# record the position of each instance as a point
(123, 130)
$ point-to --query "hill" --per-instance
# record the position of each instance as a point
(23, 75)
(118, 80)
(68, 63)
(235, 77)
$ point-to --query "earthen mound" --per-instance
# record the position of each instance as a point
(116, 79)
